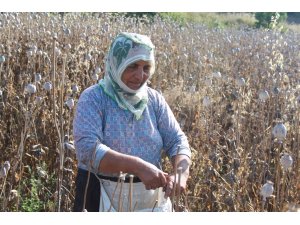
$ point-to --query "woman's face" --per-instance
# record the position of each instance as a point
(136, 74)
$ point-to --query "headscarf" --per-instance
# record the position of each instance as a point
(126, 49)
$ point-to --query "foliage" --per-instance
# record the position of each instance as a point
(32, 203)
(141, 14)
(269, 19)
(38, 198)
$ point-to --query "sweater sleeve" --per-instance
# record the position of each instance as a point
(173, 137)
(87, 130)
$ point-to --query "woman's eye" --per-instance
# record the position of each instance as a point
(147, 69)
(132, 66)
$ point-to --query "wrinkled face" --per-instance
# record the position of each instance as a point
(136, 74)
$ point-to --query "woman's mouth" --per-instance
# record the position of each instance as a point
(134, 86)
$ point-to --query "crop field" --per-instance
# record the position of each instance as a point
(235, 93)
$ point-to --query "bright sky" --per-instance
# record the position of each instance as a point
(151, 5)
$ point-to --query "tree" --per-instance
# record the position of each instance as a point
(269, 19)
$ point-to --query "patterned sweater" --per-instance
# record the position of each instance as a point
(100, 124)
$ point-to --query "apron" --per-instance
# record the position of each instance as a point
(115, 197)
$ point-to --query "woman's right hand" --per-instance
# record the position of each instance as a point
(151, 176)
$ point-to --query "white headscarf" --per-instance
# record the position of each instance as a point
(126, 49)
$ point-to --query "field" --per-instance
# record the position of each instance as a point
(235, 93)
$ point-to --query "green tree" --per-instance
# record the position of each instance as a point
(269, 19)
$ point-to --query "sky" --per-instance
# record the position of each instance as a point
(150, 5)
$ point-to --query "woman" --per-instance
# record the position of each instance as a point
(122, 125)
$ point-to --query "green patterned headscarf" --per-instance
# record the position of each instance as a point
(126, 49)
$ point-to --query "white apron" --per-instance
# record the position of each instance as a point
(115, 197)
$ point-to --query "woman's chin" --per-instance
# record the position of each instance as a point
(134, 86)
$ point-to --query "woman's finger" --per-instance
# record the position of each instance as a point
(169, 188)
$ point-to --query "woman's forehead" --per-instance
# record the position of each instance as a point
(141, 63)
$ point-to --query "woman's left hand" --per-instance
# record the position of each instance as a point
(171, 184)
(184, 162)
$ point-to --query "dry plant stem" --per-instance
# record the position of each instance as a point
(179, 172)
(278, 175)
(61, 134)
(265, 133)
(263, 205)
(237, 127)
(60, 169)
(3, 192)
(120, 203)
(85, 190)
(186, 205)
(155, 204)
(283, 189)
(1, 64)
(175, 175)
(297, 153)
(21, 153)
(113, 195)
(3, 186)
(134, 206)
(267, 154)
(88, 178)
(130, 192)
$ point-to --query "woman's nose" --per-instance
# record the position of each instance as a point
(139, 74)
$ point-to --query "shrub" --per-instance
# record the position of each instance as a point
(269, 19)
